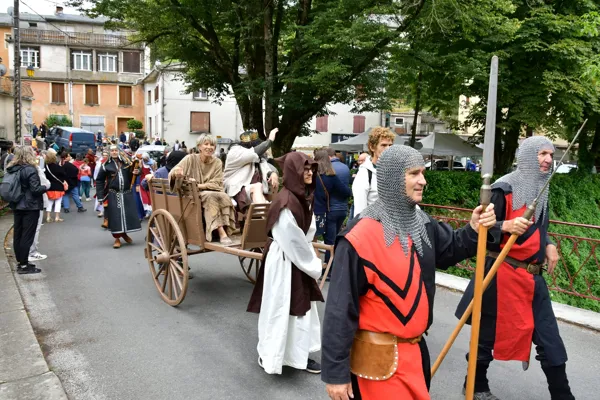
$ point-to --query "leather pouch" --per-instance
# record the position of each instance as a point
(374, 355)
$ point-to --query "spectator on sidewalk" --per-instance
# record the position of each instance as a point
(331, 199)
(34, 254)
(27, 210)
(85, 179)
(364, 187)
(58, 185)
(72, 175)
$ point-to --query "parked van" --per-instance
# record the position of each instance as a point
(72, 140)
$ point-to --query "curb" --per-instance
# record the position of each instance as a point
(24, 372)
(572, 315)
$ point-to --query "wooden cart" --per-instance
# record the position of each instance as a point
(176, 224)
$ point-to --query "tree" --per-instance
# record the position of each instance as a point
(58, 120)
(282, 60)
(134, 124)
(548, 62)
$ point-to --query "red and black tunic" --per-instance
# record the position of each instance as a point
(382, 289)
(517, 308)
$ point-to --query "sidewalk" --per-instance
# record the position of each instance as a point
(24, 373)
(573, 315)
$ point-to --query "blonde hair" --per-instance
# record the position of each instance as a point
(23, 155)
(206, 137)
(51, 158)
(377, 134)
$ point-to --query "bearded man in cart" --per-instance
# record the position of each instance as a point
(248, 177)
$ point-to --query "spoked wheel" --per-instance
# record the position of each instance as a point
(250, 266)
(167, 257)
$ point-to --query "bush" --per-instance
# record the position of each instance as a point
(60, 120)
(134, 124)
(139, 134)
(573, 198)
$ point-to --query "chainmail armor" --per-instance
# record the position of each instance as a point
(528, 180)
(397, 213)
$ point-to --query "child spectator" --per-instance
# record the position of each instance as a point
(85, 177)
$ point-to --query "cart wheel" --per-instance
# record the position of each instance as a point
(167, 257)
(250, 266)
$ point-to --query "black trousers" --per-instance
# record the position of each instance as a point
(25, 225)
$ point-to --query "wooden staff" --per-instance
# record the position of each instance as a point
(497, 263)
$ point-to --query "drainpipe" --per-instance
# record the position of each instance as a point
(71, 113)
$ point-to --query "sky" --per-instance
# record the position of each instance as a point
(44, 7)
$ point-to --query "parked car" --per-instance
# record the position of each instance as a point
(154, 151)
(72, 140)
(443, 165)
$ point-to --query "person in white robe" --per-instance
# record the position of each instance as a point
(286, 292)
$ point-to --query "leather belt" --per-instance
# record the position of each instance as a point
(534, 269)
(384, 338)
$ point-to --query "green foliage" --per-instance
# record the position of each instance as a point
(60, 120)
(573, 198)
(139, 134)
(134, 124)
(292, 56)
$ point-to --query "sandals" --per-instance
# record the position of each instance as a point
(58, 219)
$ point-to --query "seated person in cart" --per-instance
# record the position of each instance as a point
(248, 176)
(207, 171)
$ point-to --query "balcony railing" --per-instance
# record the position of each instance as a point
(37, 36)
(7, 87)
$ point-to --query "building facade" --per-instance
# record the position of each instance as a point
(82, 71)
(173, 114)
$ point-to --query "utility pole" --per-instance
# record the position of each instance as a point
(17, 72)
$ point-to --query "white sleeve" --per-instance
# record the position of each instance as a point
(292, 241)
(360, 190)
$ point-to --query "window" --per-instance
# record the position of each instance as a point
(81, 60)
(399, 121)
(107, 62)
(149, 96)
(58, 93)
(150, 126)
(30, 56)
(131, 61)
(125, 96)
(199, 122)
(33, 24)
(201, 95)
(91, 95)
(156, 93)
(359, 124)
(7, 38)
(322, 123)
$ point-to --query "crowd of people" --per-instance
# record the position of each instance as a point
(382, 284)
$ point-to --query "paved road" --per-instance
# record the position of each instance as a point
(108, 335)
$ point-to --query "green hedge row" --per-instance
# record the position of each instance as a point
(573, 198)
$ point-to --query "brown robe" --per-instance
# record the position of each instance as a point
(298, 198)
(216, 204)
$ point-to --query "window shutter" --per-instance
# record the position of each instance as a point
(72, 61)
(200, 122)
(131, 61)
(359, 124)
(125, 96)
(322, 123)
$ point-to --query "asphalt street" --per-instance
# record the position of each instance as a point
(108, 335)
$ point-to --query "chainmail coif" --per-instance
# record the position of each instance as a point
(528, 180)
(397, 212)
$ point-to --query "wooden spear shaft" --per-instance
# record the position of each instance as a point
(486, 197)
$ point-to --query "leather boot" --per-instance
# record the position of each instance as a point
(105, 223)
(117, 243)
(558, 384)
(127, 239)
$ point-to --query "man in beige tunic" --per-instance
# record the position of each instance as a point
(207, 170)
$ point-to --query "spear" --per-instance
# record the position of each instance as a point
(487, 169)
(499, 260)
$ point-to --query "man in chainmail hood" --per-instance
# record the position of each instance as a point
(516, 308)
(380, 298)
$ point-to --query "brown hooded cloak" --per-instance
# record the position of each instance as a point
(298, 198)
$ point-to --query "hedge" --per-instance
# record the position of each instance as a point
(573, 198)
